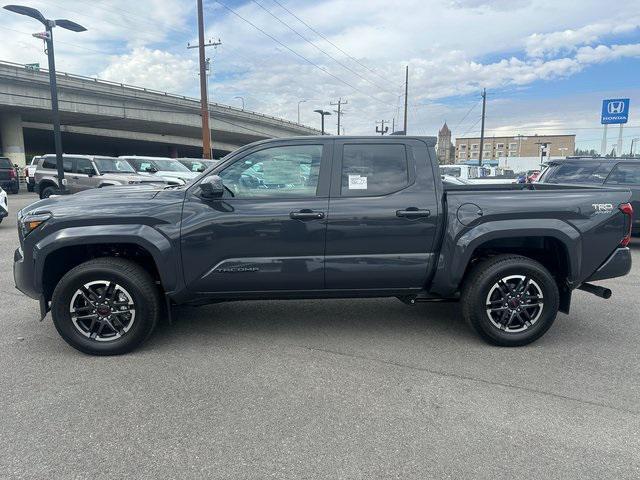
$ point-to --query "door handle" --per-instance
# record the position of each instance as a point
(413, 212)
(306, 214)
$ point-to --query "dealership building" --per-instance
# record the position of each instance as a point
(514, 146)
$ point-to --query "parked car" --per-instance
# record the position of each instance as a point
(198, 165)
(84, 172)
(30, 171)
(8, 176)
(171, 170)
(327, 217)
(598, 171)
(532, 175)
(4, 205)
(454, 180)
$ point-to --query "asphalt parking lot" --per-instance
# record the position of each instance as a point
(323, 389)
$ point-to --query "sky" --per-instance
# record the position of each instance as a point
(546, 64)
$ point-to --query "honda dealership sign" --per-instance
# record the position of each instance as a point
(615, 111)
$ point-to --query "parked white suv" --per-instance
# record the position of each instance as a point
(169, 169)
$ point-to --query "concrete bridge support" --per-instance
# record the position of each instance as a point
(12, 137)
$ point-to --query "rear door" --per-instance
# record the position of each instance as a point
(383, 214)
(627, 174)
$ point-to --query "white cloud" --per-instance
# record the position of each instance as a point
(544, 44)
(154, 69)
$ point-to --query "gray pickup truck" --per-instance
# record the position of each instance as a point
(320, 217)
(84, 172)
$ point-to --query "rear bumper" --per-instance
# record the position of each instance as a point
(617, 265)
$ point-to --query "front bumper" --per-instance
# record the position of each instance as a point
(617, 265)
(23, 275)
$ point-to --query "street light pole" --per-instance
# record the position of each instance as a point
(55, 112)
(299, 102)
(53, 84)
(323, 113)
(242, 100)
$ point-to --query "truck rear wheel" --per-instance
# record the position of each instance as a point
(106, 306)
(510, 300)
(46, 192)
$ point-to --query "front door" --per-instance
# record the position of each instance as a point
(268, 230)
(383, 215)
(82, 180)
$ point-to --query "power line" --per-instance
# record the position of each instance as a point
(329, 41)
(104, 52)
(299, 55)
(466, 115)
(346, 67)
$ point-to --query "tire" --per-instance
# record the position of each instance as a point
(46, 192)
(506, 323)
(134, 284)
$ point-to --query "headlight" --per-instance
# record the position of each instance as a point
(29, 222)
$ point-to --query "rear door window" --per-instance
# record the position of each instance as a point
(50, 163)
(594, 173)
(374, 169)
(625, 174)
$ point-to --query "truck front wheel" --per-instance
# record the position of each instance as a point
(510, 300)
(106, 306)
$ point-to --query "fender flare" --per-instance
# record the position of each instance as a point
(143, 236)
(454, 261)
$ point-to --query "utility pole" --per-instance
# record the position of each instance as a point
(484, 107)
(204, 101)
(382, 129)
(339, 104)
(406, 98)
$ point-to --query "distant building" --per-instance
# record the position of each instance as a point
(446, 150)
(513, 146)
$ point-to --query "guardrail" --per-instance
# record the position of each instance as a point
(99, 81)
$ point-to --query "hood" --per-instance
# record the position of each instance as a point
(94, 200)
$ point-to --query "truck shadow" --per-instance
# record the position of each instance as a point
(305, 322)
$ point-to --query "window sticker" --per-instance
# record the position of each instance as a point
(356, 182)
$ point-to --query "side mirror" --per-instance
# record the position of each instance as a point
(212, 186)
(90, 171)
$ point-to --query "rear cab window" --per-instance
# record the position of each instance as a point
(5, 163)
(373, 169)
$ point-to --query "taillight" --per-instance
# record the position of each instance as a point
(627, 209)
(12, 173)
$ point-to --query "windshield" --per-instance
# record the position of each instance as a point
(158, 164)
(112, 165)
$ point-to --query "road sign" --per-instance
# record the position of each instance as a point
(615, 111)
(32, 66)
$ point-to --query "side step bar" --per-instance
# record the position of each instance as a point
(596, 290)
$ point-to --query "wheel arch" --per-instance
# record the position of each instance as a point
(65, 249)
(553, 243)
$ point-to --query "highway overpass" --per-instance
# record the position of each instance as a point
(109, 118)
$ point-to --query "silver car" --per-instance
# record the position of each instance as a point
(169, 169)
(83, 172)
